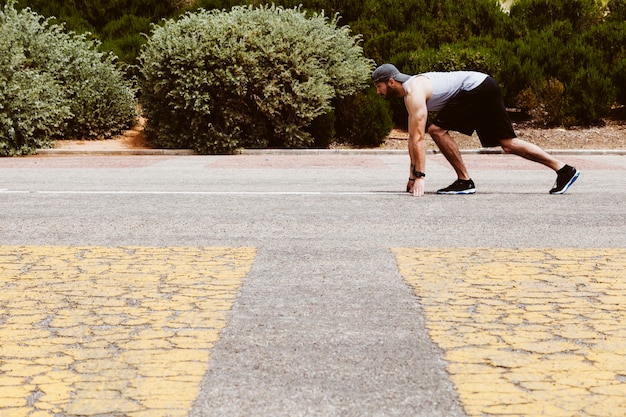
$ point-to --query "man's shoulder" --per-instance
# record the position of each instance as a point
(418, 85)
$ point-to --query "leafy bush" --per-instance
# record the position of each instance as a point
(617, 10)
(544, 102)
(538, 40)
(322, 129)
(32, 111)
(392, 27)
(54, 84)
(608, 41)
(584, 62)
(619, 80)
(120, 25)
(363, 119)
(252, 77)
(452, 57)
(591, 95)
(539, 14)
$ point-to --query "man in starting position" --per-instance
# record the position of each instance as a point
(466, 101)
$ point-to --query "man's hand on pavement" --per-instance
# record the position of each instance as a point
(416, 187)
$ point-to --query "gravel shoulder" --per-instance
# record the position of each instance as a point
(610, 136)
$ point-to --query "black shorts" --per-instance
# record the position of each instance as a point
(481, 110)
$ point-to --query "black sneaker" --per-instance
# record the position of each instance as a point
(459, 187)
(565, 177)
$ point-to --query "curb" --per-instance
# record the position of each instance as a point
(309, 152)
(120, 152)
(481, 151)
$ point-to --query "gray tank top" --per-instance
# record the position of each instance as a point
(446, 85)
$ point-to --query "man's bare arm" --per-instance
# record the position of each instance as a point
(415, 102)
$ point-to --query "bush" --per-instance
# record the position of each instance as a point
(215, 81)
(619, 80)
(617, 10)
(118, 24)
(322, 129)
(583, 62)
(591, 95)
(544, 102)
(54, 84)
(453, 57)
(391, 28)
(540, 14)
(608, 41)
(124, 37)
(32, 112)
(364, 119)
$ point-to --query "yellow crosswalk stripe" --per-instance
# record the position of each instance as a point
(122, 331)
(527, 332)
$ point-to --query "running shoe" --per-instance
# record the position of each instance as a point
(459, 187)
(565, 177)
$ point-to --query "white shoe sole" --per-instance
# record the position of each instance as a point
(464, 192)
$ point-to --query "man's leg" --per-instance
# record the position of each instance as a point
(531, 152)
(565, 175)
(450, 150)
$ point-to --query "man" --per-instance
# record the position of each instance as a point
(466, 101)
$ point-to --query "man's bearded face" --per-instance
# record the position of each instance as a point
(385, 90)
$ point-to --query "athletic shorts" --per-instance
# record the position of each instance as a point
(481, 110)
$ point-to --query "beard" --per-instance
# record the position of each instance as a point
(390, 93)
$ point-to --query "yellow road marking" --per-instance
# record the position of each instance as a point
(124, 331)
(527, 332)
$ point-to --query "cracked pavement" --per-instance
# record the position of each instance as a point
(287, 285)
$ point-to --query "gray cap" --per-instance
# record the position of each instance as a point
(387, 71)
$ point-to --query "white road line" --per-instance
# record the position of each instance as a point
(207, 193)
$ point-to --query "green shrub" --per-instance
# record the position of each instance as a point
(322, 129)
(118, 24)
(124, 36)
(32, 112)
(32, 105)
(54, 84)
(540, 14)
(391, 28)
(617, 10)
(251, 77)
(452, 57)
(608, 41)
(581, 61)
(363, 119)
(592, 95)
(544, 102)
(619, 80)
(102, 102)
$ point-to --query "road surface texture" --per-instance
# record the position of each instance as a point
(310, 285)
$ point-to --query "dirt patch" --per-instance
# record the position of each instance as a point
(130, 139)
(610, 136)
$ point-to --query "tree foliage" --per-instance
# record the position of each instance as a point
(54, 84)
(119, 25)
(251, 77)
(578, 44)
(567, 56)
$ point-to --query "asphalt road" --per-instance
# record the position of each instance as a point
(324, 323)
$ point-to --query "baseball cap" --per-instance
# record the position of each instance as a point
(387, 71)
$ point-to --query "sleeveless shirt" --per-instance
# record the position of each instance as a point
(447, 85)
